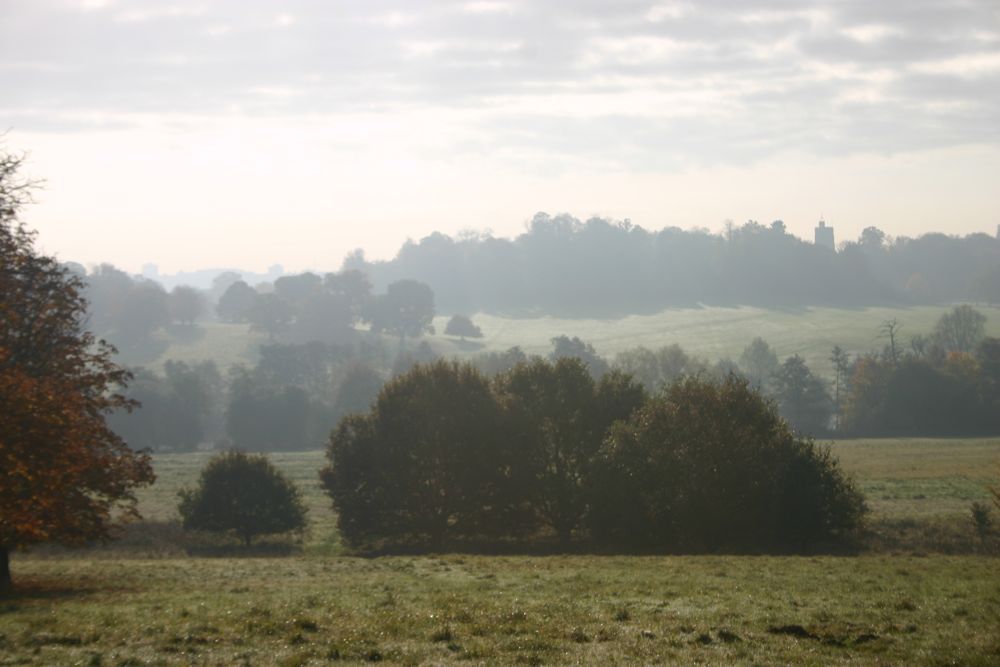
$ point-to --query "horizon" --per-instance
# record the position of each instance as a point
(243, 134)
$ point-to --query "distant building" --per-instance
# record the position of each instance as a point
(151, 271)
(824, 236)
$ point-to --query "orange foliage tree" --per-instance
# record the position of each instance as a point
(64, 475)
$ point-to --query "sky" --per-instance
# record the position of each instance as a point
(244, 133)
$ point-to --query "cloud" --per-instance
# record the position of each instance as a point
(714, 81)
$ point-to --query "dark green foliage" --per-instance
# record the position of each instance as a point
(561, 414)
(429, 463)
(242, 494)
(933, 395)
(710, 465)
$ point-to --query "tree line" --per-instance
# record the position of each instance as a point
(563, 266)
(544, 452)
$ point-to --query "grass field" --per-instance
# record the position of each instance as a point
(133, 604)
(712, 332)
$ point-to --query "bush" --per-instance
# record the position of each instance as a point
(429, 463)
(710, 465)
(242, 494)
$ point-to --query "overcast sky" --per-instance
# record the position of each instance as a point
(250, 132)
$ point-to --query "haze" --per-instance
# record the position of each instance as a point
(195, 134)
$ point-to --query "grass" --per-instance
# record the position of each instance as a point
(132, 605)
(711, 332)
(504, 610)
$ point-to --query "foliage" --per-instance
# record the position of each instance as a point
(710, 465)
(960, 330)
(406, 309)
(243, 494)
(180, 410)
(236, 302)
(561, 414)
(428, 463)
(564, 346)
(759, 362)
(657, 369)
(801, 396)
(186, 304)
(461, 325)
(64, 475)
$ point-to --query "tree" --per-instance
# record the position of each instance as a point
(961, 329)
(890, 331)
(759, 362)
(564, 346)
(562, 415)
(429, 462)
(462, 326)
(709, 465)
(841, 368)
(406, 309)
(64, 475)
(802, 397)
(186, 304)
(236, 302)
(243, 494)
(270, 314)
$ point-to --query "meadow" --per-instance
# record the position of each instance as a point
(161, 597)
(711, 332)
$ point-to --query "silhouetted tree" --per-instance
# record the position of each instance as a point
(406, 309)
(564, 346)
(270, 314)
(242, 494)
(462, 326)
(185, 304)
(236, 302)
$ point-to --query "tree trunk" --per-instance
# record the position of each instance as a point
(5, 581)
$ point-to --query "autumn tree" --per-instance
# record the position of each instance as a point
(64, 475)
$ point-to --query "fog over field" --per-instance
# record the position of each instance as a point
(499, 332)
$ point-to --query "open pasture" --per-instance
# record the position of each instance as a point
(137, 603)
(710, 332)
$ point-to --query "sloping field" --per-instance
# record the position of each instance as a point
(711, 332)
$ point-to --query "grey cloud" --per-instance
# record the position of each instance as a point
(389, 56)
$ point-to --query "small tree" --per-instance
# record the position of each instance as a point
(462, 326)
(243, 494)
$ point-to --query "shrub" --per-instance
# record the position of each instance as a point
(710, 465)
(242, 494)
(428, 463)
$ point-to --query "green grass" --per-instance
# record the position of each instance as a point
(132, 605)
(504, 610)
(712, 332)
